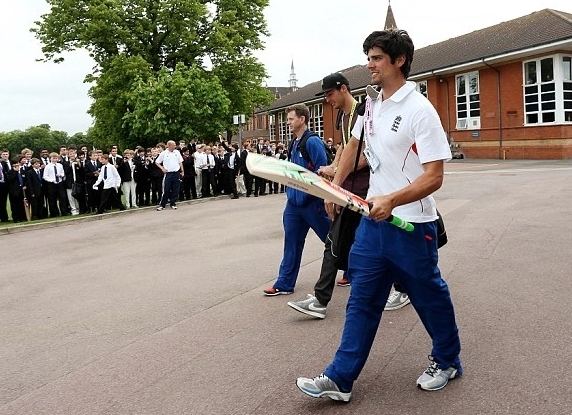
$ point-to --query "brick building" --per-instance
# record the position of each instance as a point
(501, 92)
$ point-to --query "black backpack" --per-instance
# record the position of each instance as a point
(304, 151)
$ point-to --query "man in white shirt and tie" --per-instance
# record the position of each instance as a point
(44, 157)
(115, 158)
(54, 177)
(207, 171)
(232, 168)
(200, 161)
(171, 163)
(111, 182)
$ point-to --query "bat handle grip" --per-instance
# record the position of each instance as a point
(400, 223)
(397, 221)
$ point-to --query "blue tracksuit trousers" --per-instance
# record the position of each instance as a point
(297, 222)
(383, 254)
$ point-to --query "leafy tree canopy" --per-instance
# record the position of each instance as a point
(137, 44)
(34, 138)
(166, 107)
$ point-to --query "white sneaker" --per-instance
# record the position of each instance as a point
(396, 300)
(310, 306)
(322, 386)
(435, 378)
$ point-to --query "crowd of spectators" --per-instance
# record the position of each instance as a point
(53, 184)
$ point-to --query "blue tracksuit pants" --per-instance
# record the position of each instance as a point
(297, 222)
(383, 254)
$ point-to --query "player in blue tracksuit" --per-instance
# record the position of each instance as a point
(302, 211)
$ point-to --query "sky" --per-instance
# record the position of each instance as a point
(320, 36)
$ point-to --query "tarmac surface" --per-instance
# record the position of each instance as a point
(163, 312)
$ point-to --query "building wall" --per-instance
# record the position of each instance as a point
(502, 133)
(518, 141)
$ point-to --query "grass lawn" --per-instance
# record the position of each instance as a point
(6, 225)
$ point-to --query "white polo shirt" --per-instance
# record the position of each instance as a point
(200, 159)
(407, 133)
(171, 160)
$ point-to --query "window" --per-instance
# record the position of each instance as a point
(468, 101)
(272, 126)
(421, 87)
(548, 90)
(567, 87)
(316, 123)
(284, 129)
(360, 98)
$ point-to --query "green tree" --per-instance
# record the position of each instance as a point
(185, 103)
(132, 39)
(34, 138)
(242, 79)
(110, 99)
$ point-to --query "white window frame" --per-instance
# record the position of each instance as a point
(283, 128)
(272, 130)
(316, 122)
(468, 104)
(553, 96)
(421, 87)
(566, 88)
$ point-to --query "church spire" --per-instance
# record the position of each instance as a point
(389, 19)
(293, 81)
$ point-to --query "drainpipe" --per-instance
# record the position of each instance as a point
(499, 105)
(441, 80)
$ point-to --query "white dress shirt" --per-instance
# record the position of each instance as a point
(200, 160)
(109, 176)
(210, 162)
(52, 175)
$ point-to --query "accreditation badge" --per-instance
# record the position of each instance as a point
(371, 158)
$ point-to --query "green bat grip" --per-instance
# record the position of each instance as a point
(396, 221)
(400, 223)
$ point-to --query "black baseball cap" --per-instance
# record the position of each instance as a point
(333, 81)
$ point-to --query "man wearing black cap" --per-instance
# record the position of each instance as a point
(336, 91)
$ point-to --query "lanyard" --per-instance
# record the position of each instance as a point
(347, 132)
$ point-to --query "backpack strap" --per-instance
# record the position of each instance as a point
(302, 148)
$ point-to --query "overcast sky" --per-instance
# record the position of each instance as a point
(321, 36)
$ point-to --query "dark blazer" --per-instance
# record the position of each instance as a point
(141, 173)
(243, 156)
(5, 168)
(189, 166)
(118, 161)
(69, 174)
(219, 165)
(15, 189)
(155, 171)
(80, 172)
(34, 184)
(91, 172)
(226, 160)
(125, 171)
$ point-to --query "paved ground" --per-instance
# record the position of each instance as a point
(162, 312)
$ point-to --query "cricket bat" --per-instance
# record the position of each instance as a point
(298, 177)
